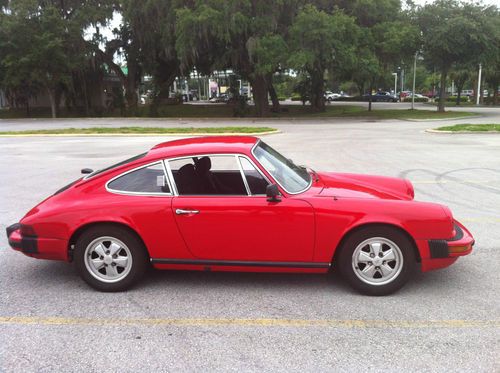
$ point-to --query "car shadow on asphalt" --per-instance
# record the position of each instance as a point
(48, 274)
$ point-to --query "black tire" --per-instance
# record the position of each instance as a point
(352, 270)
(134, 249)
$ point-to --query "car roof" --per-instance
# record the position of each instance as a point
(203, 145)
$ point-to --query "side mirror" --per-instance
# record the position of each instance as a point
(87, 170)
(272, 193)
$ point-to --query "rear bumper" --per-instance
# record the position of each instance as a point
(34, 246)
(443, 253)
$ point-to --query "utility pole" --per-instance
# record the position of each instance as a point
(414, 78)
(478, 93)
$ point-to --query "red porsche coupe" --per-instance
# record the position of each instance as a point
(236, 204)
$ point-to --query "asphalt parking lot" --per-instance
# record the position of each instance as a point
(448, 320)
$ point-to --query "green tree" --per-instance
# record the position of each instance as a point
(151, 37)
(454, 33)
(39, 50)
(460, 74)
(321, 41)
(245, 35)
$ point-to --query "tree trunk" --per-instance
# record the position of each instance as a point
(131, 95)
(442, 92)
(163, 78)
(370, 97)
(460, 84)
(131, 86)
(274, 98)
(85, 95)
(260, 98)
(317, 91)
(57, 97)
(52, 102)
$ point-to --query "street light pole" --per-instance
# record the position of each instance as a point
(402, 80)
(395, 83)
(414, 77)
(478, 85)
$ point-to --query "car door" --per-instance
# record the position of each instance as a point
(235, 222)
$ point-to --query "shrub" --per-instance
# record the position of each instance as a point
(454, 99)
(417, 99)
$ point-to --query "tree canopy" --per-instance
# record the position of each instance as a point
(45, 46)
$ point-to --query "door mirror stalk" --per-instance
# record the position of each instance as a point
(273, 193)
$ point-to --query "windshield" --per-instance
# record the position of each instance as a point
(292, 178)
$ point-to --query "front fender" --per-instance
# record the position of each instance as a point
(336, 218)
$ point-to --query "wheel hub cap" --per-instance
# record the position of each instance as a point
(377, 261)
(108, 259)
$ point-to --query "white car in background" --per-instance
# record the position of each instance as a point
(330, 96)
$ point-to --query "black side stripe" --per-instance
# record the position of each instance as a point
(238, 263)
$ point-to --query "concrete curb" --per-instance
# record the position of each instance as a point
(444, 119)
(142, 134)
(430, 130)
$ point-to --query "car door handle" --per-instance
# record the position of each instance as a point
(186, 212)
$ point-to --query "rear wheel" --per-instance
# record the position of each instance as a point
(377, 260)
(110, 258)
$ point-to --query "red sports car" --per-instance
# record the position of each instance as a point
(236, 204)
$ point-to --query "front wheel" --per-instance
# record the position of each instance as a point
(110, 258)
(377, 261)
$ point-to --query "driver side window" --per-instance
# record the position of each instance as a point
(208, 175)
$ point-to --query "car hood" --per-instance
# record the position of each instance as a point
(365, 186)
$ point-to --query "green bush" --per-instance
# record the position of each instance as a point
(417, 99)
(454, 99)
(489, 100)
(282, 98)
(296, 97)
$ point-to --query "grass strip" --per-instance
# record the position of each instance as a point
(467, 127)
(141, 130)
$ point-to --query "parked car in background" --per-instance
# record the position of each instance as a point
(331, 96)
(381, 96)
(418, 97)
(404, 94)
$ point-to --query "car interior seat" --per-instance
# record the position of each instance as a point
(186, 180)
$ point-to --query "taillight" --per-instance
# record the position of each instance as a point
(27, 231)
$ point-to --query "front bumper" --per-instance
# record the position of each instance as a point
(24, 240)
(443, 253)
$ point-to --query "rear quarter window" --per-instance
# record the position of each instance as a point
(146, 180)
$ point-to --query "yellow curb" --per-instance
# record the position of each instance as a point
(142, 134)
(203, 322)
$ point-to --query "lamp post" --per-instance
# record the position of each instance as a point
(478, 85)
(395, 83)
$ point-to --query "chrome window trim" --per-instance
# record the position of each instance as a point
(176, 192)
(173, 189)
(277, 182)
(245, 181)
(151, 194)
